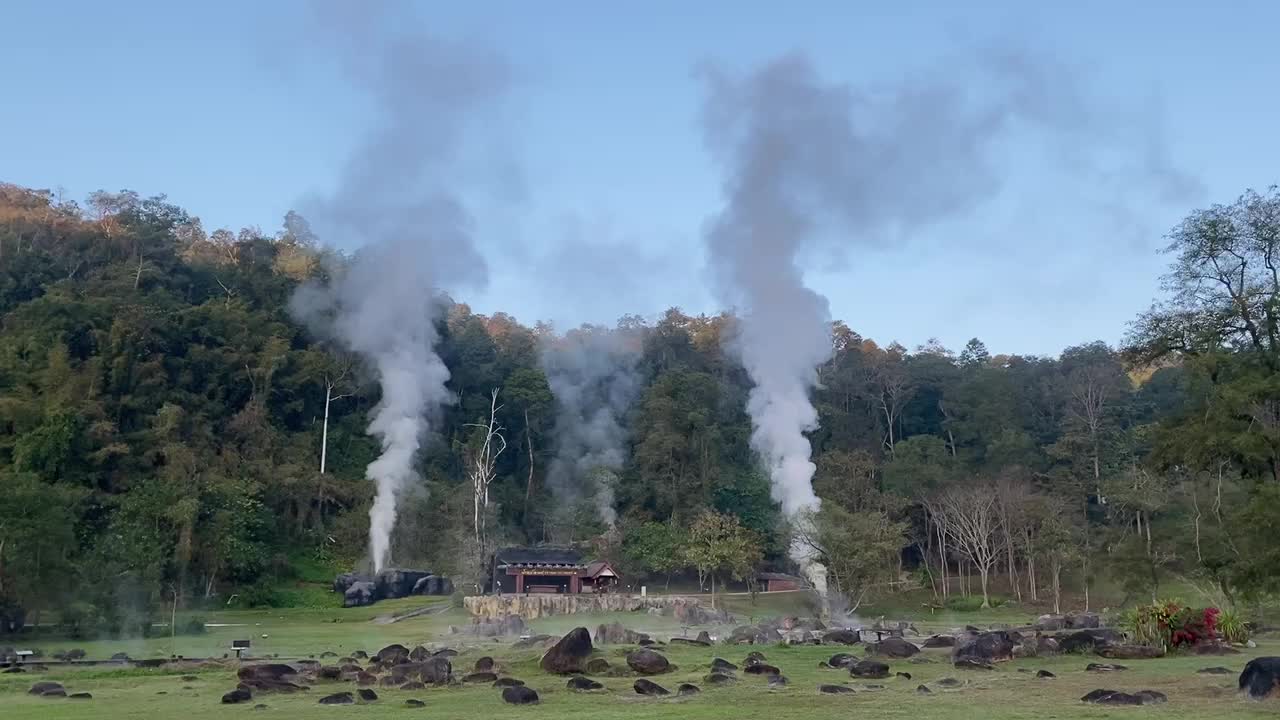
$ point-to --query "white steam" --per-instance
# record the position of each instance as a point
(592, 374)
(396, 202)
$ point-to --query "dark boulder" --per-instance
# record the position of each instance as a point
(1261, 678)
(343, 582)
(435, 670)
(597, 666)
(44, 686)
(480, 677)
(719, 678)
(1115, 697)
(534, 641)
(396, 582)
(1216, 671)
(329, 672)
(894, 647)
(364, 679)
(1104, 667)
(276, 672)
(484, 664)
(704, 637)
(392, 655)
(414, 703)
(120, 657)
(433, 585)
(367, 695)
(567, 656)
(722, 665)
(754, 656)
(835, 690)
(754, 635)
(939, 641)
(1088, 640)
(648, 687)
(1051, 622)
(841, 637)
(903, 675)
(579, 683)
(687, 689)
(1130, 652)
(762, 669)
(340, 698)
(239, 695)
(80, 696)
(949, 682)
(778, 681)
(617, 634)
(923, 690)
(648, 662)
(841, 660)
(1045, 674)
(869, 669)
(687, 641)
(987, 647)
(419, 653)
(519, 695)
(445, 653)
(1082, 621)
(360, 593)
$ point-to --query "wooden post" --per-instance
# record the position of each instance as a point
(575, 584)
(520, 584)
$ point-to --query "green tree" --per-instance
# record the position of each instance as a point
(720, 544)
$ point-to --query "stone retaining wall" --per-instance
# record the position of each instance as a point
(531, 607)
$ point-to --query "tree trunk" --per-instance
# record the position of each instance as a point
(1055, 569)
(324, 432)
(528, 441)
(713, 591)
(983, 570)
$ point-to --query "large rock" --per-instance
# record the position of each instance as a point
(648, 687)
(842, 637)
(273, 672)
(894, 647)
(988, 647)
(519, 695)
(45, 686)
(1082, 621)
(1051, 622)
(869, 669)
(1115, 697)
(394, 654)
(1088, 640)
(835, 689)
(397, 582)
(1261, 678)
(239, 695)
(339, 698)
(579, 683)
(841, 660)
(344, 581)
(359, 594)
(940, 641)
(616, 633)
(568, 656)
(762, 634)
(648, 662)
(1130, 652)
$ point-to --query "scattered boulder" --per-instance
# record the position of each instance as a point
(1260, 678)
(835, 689)
(722, 665)
(445, 653)
(617, 634)
(841, 660)
(597, 666)
(1045, 645)
(687, 689)
(687, 641)
(1216, 671)
(579, 683)
(1104, 667)
(648, 662)
(1130, 652)
(277, 672)
(343, 582)
(484, 664)
(648, 687)
(567, 656)
(534, 641)
(1050, 622)
(507, 682)
(986, 648)
(704, 637)
(80, 696)
(367, 695)
(1115, 697)
(120, 657)
(435, 670)
(939, 641)
(903, 675)
(239, 695)
(719, 678)
(519, 695)
(329, 672)
(869, 669)
(419, 653)
(414, 703)
(396, 582)
(754, 635)
(923, 690)
(778, 681)
(949, 682)
(1045, 674)
(392, 654)
(1087, 640)
(359, 594)
(365, 679)
(339, 698)
(842, 637)
(894, 647)
(761, 669)
(1082, 621)
(432, 585)
(480, 677)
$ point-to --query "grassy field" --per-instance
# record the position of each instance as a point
(1007, 692)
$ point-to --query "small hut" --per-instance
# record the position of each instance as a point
(600, 577)
(779, 582)
(538, 570)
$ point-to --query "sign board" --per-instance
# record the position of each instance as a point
(239, 644)
(558, 573)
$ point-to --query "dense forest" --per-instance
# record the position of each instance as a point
(168, 429)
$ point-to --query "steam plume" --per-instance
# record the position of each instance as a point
(592, 373)
(816, 168)
(395, 202)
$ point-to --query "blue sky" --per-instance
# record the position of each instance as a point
(603, 183)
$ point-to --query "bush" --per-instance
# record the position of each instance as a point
(1233, 627)
(192, 626)
(1171, 625)
(972, 603)
(81, 621)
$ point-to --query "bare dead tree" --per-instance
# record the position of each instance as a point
(331, 383)
(482, 465)
(972, 517)
(891, 388)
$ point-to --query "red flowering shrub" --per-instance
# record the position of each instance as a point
(1173, 625)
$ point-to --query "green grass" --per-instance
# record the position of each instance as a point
(998, 695)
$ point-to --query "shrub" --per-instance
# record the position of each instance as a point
(1232, 627)
(192, 626)
(1171, 625)
(972, 603)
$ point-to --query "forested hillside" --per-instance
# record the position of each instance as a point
(163, 431)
